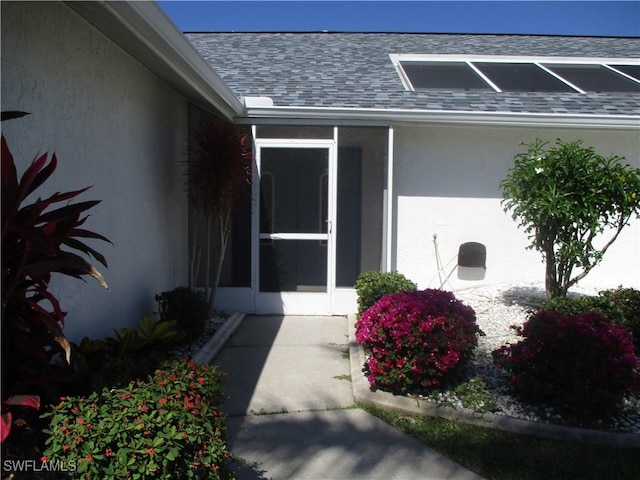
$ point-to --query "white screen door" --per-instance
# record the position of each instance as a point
(295, 247)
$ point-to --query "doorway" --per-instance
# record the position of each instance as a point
(295, 218)
(318, 218)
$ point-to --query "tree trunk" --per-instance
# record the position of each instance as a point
(224, 229)
(194, 262)
(209, 283)
(551, 281)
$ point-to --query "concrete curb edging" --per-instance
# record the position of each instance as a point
(412, 406)
(210, 349)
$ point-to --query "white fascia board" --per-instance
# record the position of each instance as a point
(554, 120)
(156, 32)
(413, 57)
(161, 34)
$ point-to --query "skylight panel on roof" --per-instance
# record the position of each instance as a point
(444, 76)
(594, 78)
(631, 70)
(522, 77)
(517, 74)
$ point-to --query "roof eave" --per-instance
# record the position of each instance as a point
(523, 119)
(144, 31)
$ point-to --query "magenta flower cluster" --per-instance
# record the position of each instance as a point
(582, 365)
(416, 341)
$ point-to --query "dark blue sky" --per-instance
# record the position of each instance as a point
(608, 18)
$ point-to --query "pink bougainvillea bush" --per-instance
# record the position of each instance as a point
(416, 341)
(581, 365)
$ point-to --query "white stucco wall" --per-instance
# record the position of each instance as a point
(114, 125)
(446, 182)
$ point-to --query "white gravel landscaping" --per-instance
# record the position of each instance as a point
(497, 308)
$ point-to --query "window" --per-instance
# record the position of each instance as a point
(522, 77)
(595, 78)
(444, 76)
(510, 74)
(631, 70)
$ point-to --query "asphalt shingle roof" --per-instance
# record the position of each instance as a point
(354, 70)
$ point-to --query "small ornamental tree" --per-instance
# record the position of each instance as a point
(218, 174)
(573, 203)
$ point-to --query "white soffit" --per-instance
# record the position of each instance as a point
(144, 31)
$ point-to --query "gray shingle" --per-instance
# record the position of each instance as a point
(354, 70)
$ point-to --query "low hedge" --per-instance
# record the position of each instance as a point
(168, 427)
(371, 286)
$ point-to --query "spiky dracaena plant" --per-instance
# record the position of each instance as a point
(218, 173)
(36, 242)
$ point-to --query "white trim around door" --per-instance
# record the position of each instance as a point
(292, 223)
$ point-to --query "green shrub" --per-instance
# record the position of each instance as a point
(106, 366)
(150, 334)
(620, 305)
(627, 302)
(168, 427)
(132, 354)
(416, 341)
(582, 365)
(371, 286)
(187, 307)
(574, 306)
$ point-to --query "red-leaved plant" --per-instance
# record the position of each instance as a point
(36, 242)
(581, 365)
(416, 341)
(218, 175)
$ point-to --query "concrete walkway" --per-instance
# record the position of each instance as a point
(291, 415)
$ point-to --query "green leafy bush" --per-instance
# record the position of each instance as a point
(620, 305)
(132, 354)
(150, 334)
(627, 302)
(574, 306)
(187, 307)
(416, 341)
(168, 427)
(371, 286)
(581, 365)
(103, 367)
